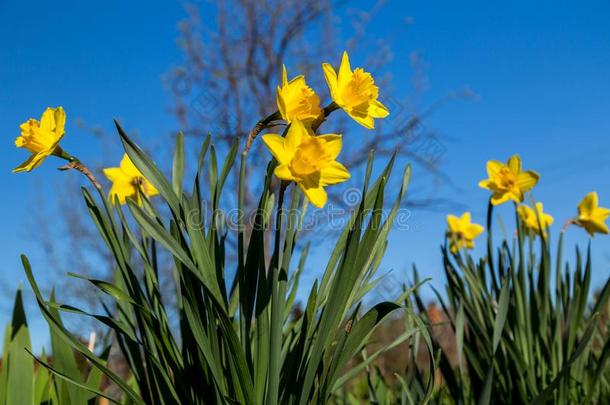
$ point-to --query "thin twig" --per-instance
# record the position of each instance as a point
(258, 128)
(77, 165)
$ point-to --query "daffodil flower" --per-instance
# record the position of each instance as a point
(296, 100)
(128, 182)
(355, 92)
(508, 181)
(308, 160)
(462, 232)
(41, 138)
(591, 216)
(536, 221)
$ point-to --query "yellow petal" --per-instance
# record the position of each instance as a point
(453, 222)
(378, 110)
(514, 164)
(331, 78)
(275, 144)
(53, 123)
(366, 121)
(465, 219)
(149, 189)
(32, 162)
(588, 204)
(500, 198)
(345, 70)
(493, 168)
(316, 195)
(114, 174)
(485, 184)
(128, 168)
(122, 190)
(333, 173)
(527, 180)
(593, 226)
(284, 76)
(472, 231)
(332, 144)
(294, 137)
(283, 172)
(281, 104)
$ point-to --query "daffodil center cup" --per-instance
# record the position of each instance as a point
(508, 180)
(361, 89)
(309, 158)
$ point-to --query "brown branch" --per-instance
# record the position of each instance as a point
(77, 165)
(258, 128)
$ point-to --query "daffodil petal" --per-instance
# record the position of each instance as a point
(514, 164)
(453, 222)
(331, 79)
(493, 168)
(275, 144)
(345, 70)
(527, 180)
(378, 110)
(294, 137)
(366, 121)
(317, 195)
(332, 144)
(32, 162)
(113, 173)
(334, 173)
(283, 172)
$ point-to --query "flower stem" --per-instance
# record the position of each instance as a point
(325, 113)
(258, 128)
(76, 164)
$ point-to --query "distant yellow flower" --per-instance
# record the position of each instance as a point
(308, 160)
(296, 100)
(355, 92)
(591, 216)
(41, 138)
(128, 182)
(508, 181)
(462, 232)
(530, 219)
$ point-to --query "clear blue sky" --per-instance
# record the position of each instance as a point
(542, 73)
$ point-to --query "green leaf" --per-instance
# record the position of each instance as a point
(178, 165)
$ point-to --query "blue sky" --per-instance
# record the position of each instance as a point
(541, 73)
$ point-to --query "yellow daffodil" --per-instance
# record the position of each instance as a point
(355, 92)
(128, 182)
(591, 216)
(308, 160)
(536, 221)
(296, 100)
(462, 232)
(508, 181)
(41, 138)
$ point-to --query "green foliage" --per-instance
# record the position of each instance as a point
(526, 329)
(234, 338)
(22, 382)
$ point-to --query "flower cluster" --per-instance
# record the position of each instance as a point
(305, 157)
(302, 156)
(509, 182)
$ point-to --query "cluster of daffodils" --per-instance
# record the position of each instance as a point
(509, 182)
(310, 159)
(303, 156)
